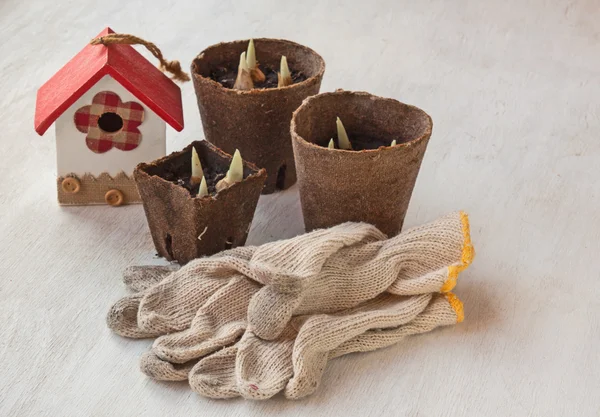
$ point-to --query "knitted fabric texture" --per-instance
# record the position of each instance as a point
(294, 363)
(140, 278)
(257, 302)
(320, 272)
(335, 277)
(170, 305)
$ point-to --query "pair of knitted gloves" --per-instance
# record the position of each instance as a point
(255, 321)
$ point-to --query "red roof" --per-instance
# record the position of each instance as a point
(122, 62)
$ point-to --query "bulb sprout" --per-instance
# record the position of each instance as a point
(251, 55)
(284, 77)
(203, 190)
(243, 80)
(235, 173)
(343, 141)
(197, 173)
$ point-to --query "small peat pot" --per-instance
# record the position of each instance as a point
(185, 226)
(256, 121)
(373, 181)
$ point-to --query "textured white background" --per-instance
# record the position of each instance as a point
(514, 91)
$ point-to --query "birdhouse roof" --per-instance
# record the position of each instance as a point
(123, 63)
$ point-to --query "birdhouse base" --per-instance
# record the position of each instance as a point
(75, 190)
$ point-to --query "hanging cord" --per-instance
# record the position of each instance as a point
(174, 67)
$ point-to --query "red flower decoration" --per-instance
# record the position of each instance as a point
(109, 122)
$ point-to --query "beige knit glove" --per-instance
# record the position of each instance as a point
(171, 304)
(258, 369)
(204, 305)
(324, 278)
(301, 276)
(417, 262)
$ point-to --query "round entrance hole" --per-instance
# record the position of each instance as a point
(110, 122)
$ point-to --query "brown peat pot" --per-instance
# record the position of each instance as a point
(371, 184)
(184, 226)
(257, 121)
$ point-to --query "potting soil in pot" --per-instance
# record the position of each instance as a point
(226, 75)
(361, 142)
(178, 172)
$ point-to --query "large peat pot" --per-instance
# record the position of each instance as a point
(373, 182)
(257, 121)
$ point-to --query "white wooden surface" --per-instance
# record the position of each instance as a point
(514, 91)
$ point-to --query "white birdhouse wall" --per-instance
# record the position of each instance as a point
(115, 143)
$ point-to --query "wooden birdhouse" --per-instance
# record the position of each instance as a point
(110, 107)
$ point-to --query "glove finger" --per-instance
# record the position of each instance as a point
(262, 367)
(171, 305)
(322, 334)
(302, 257)
(160, 370)
(214, 375)
(443, 310)
(122, 318)
(140, 278)
(221, 321)
(431, 256)
(270, 311)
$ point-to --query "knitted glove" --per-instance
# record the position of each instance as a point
(204, 304)
(223, 319)
(324, 277)
(171, 304)
(301, 276)
(294, 362)
(420, 261)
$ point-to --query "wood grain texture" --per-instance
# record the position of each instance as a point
(513, 90)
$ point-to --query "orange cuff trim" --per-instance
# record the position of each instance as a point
(457, 306)
(468, 253)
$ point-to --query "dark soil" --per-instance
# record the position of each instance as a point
(361, 142)
(226, 77)
(175, 172)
